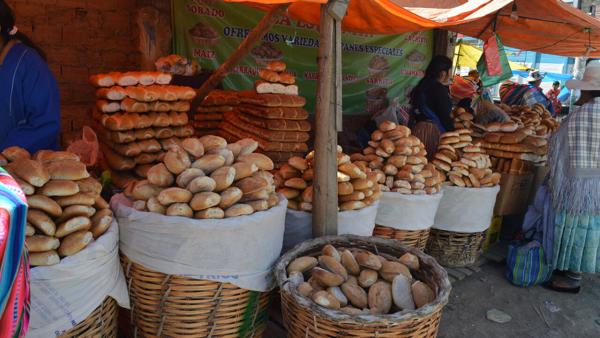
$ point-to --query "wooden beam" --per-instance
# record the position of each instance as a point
(328, 105)
(255, 35)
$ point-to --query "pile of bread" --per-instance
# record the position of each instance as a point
(210, 113)
(401, 159)
(510, 141)
(272, 113)
(206, 178)
(66, 212)
(536, 119)
(462, 118)
(139, 116)
(356, 281)
(357, 185)
(465, 164)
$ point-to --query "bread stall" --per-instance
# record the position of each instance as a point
(76, 279)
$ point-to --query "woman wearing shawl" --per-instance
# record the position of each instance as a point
(14, 266)
(567, 208)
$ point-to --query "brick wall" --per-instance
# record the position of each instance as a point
(81, 37)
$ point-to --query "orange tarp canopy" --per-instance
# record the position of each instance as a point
(391, 16)
(546, 26)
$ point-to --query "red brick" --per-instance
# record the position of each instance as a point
(29, 13)
(64, 55)
(75, 74)
(60, 15)
(47, 34)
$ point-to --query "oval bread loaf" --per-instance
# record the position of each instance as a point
(226, 153)
(160, 176)
(77, 199)
(40, 243)
(205, 200)
(302, 264)
(180, 209)
(201, 184)
(327, 278)
(14, 153)
(45, 258)
(211, 142)
(252, 184)
(101, 221)
(100, 203)
(42, 222)
(248, 146)
(230, 196)
(193, 146)
(355, 294)
(239, 209)
(349, 263)
(223, 177)
(174, 195)
(235, 149)
(29, 229)
(177, 160)
(67, 170)
(74, 243)
(210, 213)
(144, 190)
(59, 188)
(72, 225)
(258, 205)
(244, 169)
(295, 183)
(209, 163)
(75, 211)
(45, 204)
(262, 161)
(153, 205)
(187, 176)
(380, 298)
(30, 171)
(27, 188)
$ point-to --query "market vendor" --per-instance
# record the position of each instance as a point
(431, 103)
(29, 96)
(526, 95)
(553, 94)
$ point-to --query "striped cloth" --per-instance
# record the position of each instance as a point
(429, 134)
(14, 265)
(526, 264)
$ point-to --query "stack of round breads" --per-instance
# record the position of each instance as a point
(357, 185)
(465, 164)
(356, 281)
(402, 161)
(139, 116)
(206, 178)
(66, 211)
(462, 118)
(537, 118)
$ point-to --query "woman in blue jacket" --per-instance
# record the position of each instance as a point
(29, 96)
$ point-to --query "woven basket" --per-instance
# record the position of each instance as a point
(303, 318)
(175, 306)
(411, 238)
(101, 323)
(454, 249)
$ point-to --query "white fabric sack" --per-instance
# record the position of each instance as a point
(298, 224)
(466, 209)
(407, 212)
(239, 250)
(65, 294)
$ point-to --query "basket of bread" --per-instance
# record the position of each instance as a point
(73, 245)
(206, 221)
(361, 287)
(467, 205)
(411, 185)
(358, 192)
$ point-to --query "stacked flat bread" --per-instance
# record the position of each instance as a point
(66, 212)
(209, 114)
(357, 184)
(400, 158)
(272, 114)
(462, 118)
(465, 164)
(206, 178)
(139, 116)
(537, 119)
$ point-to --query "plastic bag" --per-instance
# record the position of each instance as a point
(87, 148)
(526, 265)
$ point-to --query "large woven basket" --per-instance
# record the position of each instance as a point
(454, 249)
(176, 306)
(411, 238)
(304, 318)
(101, 323)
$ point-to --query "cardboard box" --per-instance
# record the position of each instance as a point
(514, 193)
(539, 174)
(492, 234)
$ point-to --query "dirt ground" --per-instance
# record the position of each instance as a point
(536, 312)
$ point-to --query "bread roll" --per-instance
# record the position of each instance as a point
(193, 146)
(187, 176)
(248, 146)
(210, 213)
(67, 170)
(298, 163)
(345, 188)
(201, 184)
(29, 229)
(260, 160)
(89, 185)
(238, 210)
(352, 205)
(295, 183)
(27, 188)
(223, 177)
(273, 200)
(160, 176)
(14, 153)
(59, 188)
(180, 209)
(205, 200)
(74, 211)
(79, 198)
(100, 203)
(41, 221)
(226, 153)
(352, 170)
(45, 204)
(174, 195)
(40, 243)
(211, 142)
(177, 160)
(230, 196)
(262, 194)
(252, 184)
(209, 163)
(75, 242)
(45, 258)
(244, 169)
(153, 205)
(72, 225)
(143, 190)
(30, 171)
(258, 205)
(101, 222)
(307, 195)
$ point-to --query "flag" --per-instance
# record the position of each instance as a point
(493, 66)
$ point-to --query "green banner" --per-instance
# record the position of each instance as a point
(376, 68)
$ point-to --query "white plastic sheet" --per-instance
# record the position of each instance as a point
(63, 295)
(298, 224)
(466, 209)
(407, 212)
(240, 250)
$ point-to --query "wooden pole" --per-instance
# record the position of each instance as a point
(255, 35)
(325, 206)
